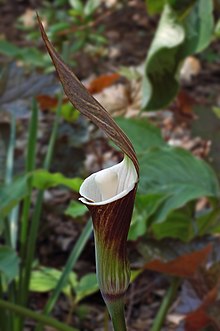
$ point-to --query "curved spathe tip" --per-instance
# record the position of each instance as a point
(110, 184)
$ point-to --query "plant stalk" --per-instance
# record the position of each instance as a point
(77, 249)
(116, 311)
(35, 316)
(165, 305)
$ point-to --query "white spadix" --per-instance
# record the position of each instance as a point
(107, 182)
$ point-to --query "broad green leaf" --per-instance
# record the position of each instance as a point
(143, 135)
(177, 173)
(42, 179)
(87, 286)
(45, 279)
(177, 225)
(12, 194)
(76, 209)
(160, 84)
(145, 207)
(199, 28)
(184, 28)
(8, 262)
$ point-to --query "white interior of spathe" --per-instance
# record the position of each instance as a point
(110, 184)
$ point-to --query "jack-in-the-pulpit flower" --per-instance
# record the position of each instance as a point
(109, 195)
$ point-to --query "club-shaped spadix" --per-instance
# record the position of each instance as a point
(108, 194)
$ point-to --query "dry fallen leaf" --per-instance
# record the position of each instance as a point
(101, 82)
(184, 266)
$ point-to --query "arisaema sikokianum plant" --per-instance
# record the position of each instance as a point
(109, 195)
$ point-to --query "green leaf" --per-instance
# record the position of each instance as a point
(60, 26)
(177, 173)
(208, 222)
(32, 56)
(145, 207)
(142, 134)
(217, 29)
(157, 6)
(12, 194)
(177, 225)
(154, 7)
(42, 179)
(199, 28)
(69, 113)
(160, 84)
(87, 286)
(45, 279)
(184, 28)
(8, 262)
(76, 209)
(77, 5)
(9, 49)
(90, 7)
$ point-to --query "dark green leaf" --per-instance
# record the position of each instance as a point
(11, 195)
(183, 29)
(199, 28)
(177, 225)
(179, 174)
(145, 206)
(142, 134)
(160, 84)
(8, 262)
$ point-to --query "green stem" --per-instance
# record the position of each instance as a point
(50, 150)
(4, 325)
(35, 222)
(30, 166)
(116, 311)
(167, 301)
(11, 222)
(10, 226)
(78, 247)
(35, 316)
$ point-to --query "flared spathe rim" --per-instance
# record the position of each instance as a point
(110, 184)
